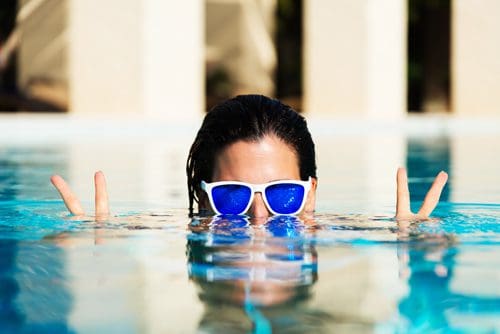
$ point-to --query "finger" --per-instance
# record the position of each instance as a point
(101, 195)
(432, 197)
(70, 200)
(403, 194)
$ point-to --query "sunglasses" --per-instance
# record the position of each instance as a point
(286, 197)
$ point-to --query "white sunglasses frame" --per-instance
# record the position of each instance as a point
(257, 188)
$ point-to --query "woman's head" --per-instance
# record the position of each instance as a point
(250, 130)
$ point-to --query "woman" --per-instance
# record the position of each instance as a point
(254, 155)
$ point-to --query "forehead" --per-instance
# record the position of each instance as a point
(267, 159)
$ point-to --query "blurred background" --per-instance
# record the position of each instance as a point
(383, 83)
(176, 59)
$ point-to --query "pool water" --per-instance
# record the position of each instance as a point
(352, 268)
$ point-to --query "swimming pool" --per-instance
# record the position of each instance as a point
(149, 268)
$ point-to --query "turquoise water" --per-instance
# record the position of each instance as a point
(150, 268)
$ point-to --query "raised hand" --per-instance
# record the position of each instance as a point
(403, 211)
(72, 202)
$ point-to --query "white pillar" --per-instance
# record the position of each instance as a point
(136, 57)
(475, 54)
(355, 57)
(173, 58)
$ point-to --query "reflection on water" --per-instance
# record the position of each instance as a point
(163, 272)
(349, 273)
(32, 275)
(246, 267)
(425, 158)
(439, 279)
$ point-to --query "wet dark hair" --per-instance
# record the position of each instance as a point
(248, 118)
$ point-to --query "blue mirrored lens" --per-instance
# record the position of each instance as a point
(231, 199)
(285, 198)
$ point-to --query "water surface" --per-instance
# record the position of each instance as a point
(350, 268)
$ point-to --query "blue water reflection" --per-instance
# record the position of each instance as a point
(432, 304)
(354, 273)
(217, 246)
(425, 158)
(266, 266)
(34, 297)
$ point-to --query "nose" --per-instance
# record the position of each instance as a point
(258, 208)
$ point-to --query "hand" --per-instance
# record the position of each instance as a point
(403, 210)
(72, 202)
